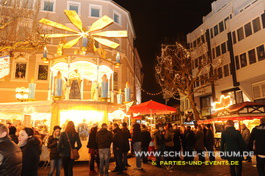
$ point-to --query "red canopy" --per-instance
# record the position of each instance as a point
(152, 107)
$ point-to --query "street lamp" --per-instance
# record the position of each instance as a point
(22, 94)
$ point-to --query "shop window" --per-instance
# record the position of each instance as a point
(220, 73)
(218, 51)
(234, 37)
(215, 30)
(243, 60)
(256, 25)
(48, 5)
(226, 70)
(252, 56)
(248, 29)
(261, 52)
(221, 26)
(240, 34)
(43, 72)
(223, 46)
(237, 62)
(21, 69)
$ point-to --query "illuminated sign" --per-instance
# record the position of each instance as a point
(4, 66)
(225, 102)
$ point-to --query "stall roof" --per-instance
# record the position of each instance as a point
(26, 107)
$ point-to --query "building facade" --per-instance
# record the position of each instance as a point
(232, 34)
(26, 66)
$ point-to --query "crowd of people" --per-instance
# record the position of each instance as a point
(21, 155)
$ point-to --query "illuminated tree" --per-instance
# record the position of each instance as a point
(178, 74)
(19, 27)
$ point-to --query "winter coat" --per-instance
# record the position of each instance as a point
(232, 142)
(209, 138)
(258, 135)
(92, 144)
(52, 145)
(31, 157)
(146, 138)
(104, 138)
(126, 135)
(169, 136)
(245, 134)
(63, 145)
(199, 145)
(189, 139)
(118, 139)
(12, 157)
(136, 137)
(159, 140)
(177, 140)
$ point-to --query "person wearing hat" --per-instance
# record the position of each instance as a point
(55, 159)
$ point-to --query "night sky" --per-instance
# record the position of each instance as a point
(161, 21)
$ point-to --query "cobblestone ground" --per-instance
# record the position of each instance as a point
(82, 169)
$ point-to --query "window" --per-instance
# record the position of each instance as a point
(227, 18)
(95, 10)
(43, 72)
(221, 26)
(252, 56)
(206, 102)
(211, 31)
(256, 91)
(202, 79)
(196, 62)
(202, 38)
(28, 4)
(199, 41)
(263, 20)
(20, 72)
(220, 73)
(74, 6)
(223, 46)
(234, 37)
(248, 29)
(243, 60)
(117, 17)
(261, 52)
(240, 34)
(256, 25)
(226, 70)
(239, 96)
(215, 30)
(237, 62)
(194, 43)
(48, 6)
(218, 51)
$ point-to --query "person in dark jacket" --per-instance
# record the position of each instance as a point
(189, 144)
(65, 148)
(159, 141)
(118, 148)
(126, 147)
(31, 150)
(136, 140)
(146, 139)
(93, 149)
(231, 144)
(245, 132)
(177, 141)
(209, 142)
(55, 159)
(258, 136)
(199, 144)
(10, 154)
(12, 134)
(104, 139)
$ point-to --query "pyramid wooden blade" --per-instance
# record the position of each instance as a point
(71, 43)
(56, 25)
(111, 34)
(101, 23)
(107, 42)
(57, 35)
(74, 18)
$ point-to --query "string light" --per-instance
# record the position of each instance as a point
(152, 94)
